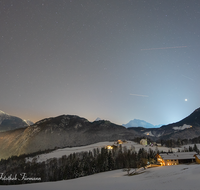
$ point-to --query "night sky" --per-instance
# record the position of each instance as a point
(114, 59)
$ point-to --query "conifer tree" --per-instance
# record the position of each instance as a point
(110, 161)
(195, 148)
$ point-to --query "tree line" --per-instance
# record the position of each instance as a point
(75, 165)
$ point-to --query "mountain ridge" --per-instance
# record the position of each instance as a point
(71, 130)
(9, 122)
(189, 127)
(140, 123)
(65, 130)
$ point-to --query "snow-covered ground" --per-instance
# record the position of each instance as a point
(182, 127)
(180, 177)
(67, 151)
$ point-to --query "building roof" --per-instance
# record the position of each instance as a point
(178, 155)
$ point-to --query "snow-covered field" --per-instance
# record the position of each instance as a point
(180, 177)
(191, 145)
(67, 151)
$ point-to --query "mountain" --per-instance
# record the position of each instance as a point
(71, 131)
(140, 123)
(8, 122)
(187, 128)
(61, 131)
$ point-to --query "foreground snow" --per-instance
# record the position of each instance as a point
(180, 177)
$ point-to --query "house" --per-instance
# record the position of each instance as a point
(159, 144)
(119, 142)
(166, 159)
(197, 158)
(143, 142)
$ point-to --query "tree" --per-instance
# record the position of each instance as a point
(110, 161)
(195, 148)
(190, 149)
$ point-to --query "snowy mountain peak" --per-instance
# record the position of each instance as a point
(2, 113)
(98, 119)
(140, 123)
(28, 122)
(9, 122)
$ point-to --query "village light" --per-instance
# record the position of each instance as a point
(109, 147)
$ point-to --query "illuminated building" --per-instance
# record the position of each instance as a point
(168, 159)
